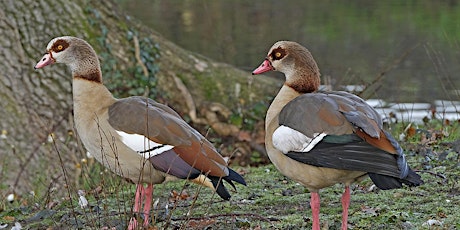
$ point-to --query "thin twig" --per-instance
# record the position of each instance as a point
(23, 164)
(434, 174)
(64, 171)
(390, 67)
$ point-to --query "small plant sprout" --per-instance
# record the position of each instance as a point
(51, 137)
(3, 134)
(10, 197)
(82, 201)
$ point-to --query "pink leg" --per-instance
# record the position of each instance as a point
(137, 203)
(345, 205)
(147, 203)
(315, 204)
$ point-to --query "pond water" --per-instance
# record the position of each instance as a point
(414, 46)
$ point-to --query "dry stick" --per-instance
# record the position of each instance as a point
(196, 196)
(189, 213)
(444, 178)
(393, 65)
(111, 139)
(101, 135)
(91, 182)
(64, 171)
(23, 164)
(198, 189)
(59, 156)
(212, 197)
(438, 65)
(176, 203)
(50, 187)
(169, 218)
(86, 214)
(48, 192)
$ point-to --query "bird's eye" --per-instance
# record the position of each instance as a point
(60, 47)
(278, 53)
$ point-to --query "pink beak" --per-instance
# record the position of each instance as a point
(264, 67)
(46, 60)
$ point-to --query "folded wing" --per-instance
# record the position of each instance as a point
(343, 132)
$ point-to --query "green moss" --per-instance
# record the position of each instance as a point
(132, 80)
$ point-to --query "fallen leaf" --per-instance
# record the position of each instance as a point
(244, 136)
(9, 218)
(442, 215)
(175, 196)
(411, 131)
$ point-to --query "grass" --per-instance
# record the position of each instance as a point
(270, 201)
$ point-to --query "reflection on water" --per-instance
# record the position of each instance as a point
(406, 50)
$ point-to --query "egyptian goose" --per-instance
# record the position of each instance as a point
(323, 138)
(135, 137)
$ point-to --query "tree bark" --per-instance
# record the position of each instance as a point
(38, 140)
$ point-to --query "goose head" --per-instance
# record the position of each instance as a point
(72, 51)
(75, 53)
(297, 64)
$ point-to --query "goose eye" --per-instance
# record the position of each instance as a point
(278, 53)
(60, 47)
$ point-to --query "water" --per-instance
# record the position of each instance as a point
(402, 51)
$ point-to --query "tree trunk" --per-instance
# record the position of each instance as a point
(36, 118)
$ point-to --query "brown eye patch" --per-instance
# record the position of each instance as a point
(59, 45)
(278, 53)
